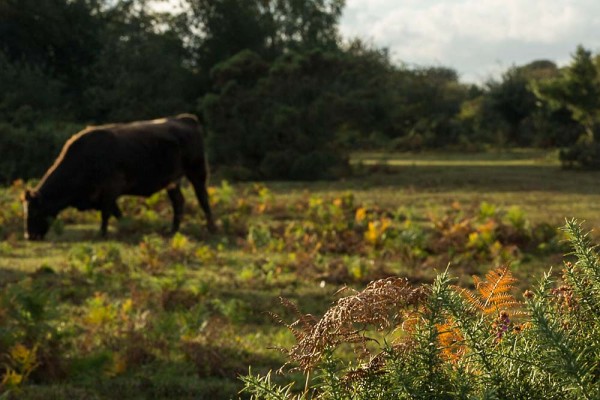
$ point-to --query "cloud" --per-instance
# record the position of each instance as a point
(479, 38)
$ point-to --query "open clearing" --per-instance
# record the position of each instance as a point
(144, 314)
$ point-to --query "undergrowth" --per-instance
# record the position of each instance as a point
(145, 314)
(439, 341)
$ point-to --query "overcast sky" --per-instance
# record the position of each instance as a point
(478, 38)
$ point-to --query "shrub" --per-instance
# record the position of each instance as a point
(583, 155)
(443, 342)
(30, 148)
(280, 120)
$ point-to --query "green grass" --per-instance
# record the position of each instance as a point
(532, 180)
(202, 304)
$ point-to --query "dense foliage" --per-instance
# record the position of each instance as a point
(284, 95)
(444, 342)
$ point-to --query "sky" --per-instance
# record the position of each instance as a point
(478, 38)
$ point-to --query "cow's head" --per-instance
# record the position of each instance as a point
(37, 216)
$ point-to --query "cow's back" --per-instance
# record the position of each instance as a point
(136, 158)
(80, 157)
(152, 154)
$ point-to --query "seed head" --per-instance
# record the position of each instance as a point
(528, 294)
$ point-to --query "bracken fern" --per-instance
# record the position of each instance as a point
(455, 343)
(493, 295)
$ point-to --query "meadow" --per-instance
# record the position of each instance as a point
(149, 315)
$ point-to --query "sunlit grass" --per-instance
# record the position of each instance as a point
(195, 285)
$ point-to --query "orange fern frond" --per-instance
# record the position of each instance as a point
(492, 295)
(450, 339)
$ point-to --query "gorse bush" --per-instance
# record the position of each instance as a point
(439, 341)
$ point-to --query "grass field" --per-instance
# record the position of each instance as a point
(146, 315)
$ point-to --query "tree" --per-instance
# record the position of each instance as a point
(515, 103)
(140, 71)
(577, 88)
(276, 121)
(58, 36)
(223, 28)
(425, 104)
(302, 24)
(269, 28)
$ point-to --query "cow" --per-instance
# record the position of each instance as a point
(101, 163)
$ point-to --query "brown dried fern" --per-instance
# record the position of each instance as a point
(492, 296)
(379, 305)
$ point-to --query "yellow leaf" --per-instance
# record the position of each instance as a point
(127, 306)
(19, 352)
(473, 240)
(371, 233)
(118, 366)
(488, 227)
(376, 229)
(385, 224)
(361, 214)
(179, 242)
(25, 358)
(493, 295)
(11, 378)
(496, 248)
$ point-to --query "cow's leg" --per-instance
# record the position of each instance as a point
(177, 201)
(198, 180)
(109, 191)
(109, 208)
(106, 213)
(116, 211)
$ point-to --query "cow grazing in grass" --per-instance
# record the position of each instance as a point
(101, 163)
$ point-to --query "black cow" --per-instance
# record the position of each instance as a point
(101, 163)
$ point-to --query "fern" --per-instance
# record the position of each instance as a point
(462, 343)
(378, 305)
(478, 339)
(492, 296)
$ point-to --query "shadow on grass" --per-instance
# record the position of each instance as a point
(9, 275)
(131, 232)
(475, 178)
(172, 381)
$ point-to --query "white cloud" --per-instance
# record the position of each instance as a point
(476, 37)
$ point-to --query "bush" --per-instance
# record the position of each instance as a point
(443, 342)
(314, 164)
(583, 155)
(29, 149)
(280, 120)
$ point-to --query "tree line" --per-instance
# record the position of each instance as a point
(281, 93)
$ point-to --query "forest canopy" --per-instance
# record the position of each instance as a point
(282, 94)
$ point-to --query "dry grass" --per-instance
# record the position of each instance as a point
(380, 304)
